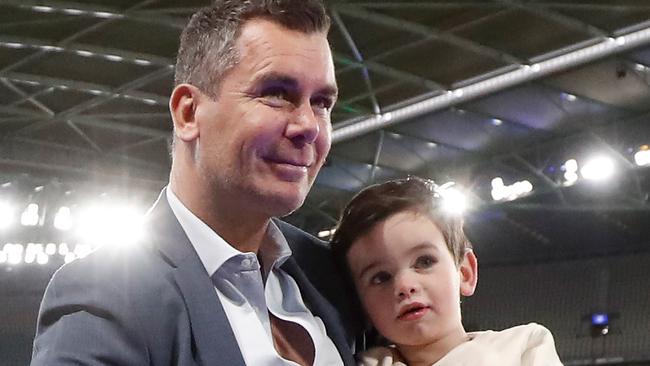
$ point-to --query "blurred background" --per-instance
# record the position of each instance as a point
(533, 113)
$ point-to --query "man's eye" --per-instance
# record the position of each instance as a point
(275, 94)
(323, 103)
(424, 261)
(380, 278)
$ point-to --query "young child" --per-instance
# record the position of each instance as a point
(410, 263)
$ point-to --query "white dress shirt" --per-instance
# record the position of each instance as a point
(244, 297)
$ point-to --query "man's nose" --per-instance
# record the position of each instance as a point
(304, 126)
(406, 285)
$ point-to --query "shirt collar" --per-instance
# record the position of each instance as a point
(213, 250)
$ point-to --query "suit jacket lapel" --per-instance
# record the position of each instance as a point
(214, 339)
(321, 308)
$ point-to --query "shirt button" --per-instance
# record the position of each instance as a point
(246, 262)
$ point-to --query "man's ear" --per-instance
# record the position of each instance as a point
(468, 272)
(182, 104)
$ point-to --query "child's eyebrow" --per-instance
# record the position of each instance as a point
(368, 268)
(424, 245)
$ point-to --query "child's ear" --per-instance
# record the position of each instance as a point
(468, 271)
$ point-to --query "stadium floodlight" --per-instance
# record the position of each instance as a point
(30, 215)
(642, 157)
(50, 249)
(599, 168)
(63, 219)
(110, 224)
(502, 192)
(63, 249)
(570, 168)
(6, 215)
(42, 258)
(453, 200)
(14, 253)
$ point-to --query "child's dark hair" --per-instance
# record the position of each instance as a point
(376, 203)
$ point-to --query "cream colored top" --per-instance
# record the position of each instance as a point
(523, 345)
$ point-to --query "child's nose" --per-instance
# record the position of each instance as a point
(405, 286)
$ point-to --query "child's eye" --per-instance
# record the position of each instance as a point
(380, 278)
(424, 261)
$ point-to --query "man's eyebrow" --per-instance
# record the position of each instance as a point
(293, 83)
(330, 91)
(276, 78)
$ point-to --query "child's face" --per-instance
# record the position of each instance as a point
(408, 281)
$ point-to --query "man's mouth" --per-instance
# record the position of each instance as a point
(300, 163)
(290, 169)
(413, 311)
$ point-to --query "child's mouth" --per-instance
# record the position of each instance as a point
(413, 311)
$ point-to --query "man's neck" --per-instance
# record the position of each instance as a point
(240, 228)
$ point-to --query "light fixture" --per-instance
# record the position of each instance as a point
(570, 168)
(453, 200)
(63, 219)
(30, 217)
(599, 168)
(109, 224)
(569, 97)
(496, 122)
(502, 192)
(642, 157)
(6, 215)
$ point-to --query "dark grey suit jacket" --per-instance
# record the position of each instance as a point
(154, 303)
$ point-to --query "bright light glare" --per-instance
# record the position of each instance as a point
(14, 253)
(50, 249)
(570, 172)
(453, 200)
(502, 192)
(30, 215)
(63, 219)
(42, 258)
(6, 215)
(326, 233)
(69, 257)
(598, 169)
(101, 225)
(642, 157)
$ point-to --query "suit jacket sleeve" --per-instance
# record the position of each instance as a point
(83, 321)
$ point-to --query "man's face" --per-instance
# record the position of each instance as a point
(265, 136)
(408, 281)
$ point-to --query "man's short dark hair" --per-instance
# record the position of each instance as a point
(207, 50)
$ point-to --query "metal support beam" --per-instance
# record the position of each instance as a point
(389, 71)
(98, 100)
(357, 54)
(82, 86)
(375, 160)
(425, 31)
(523, 74)
(91, 121)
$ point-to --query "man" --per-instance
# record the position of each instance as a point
(216, 281)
